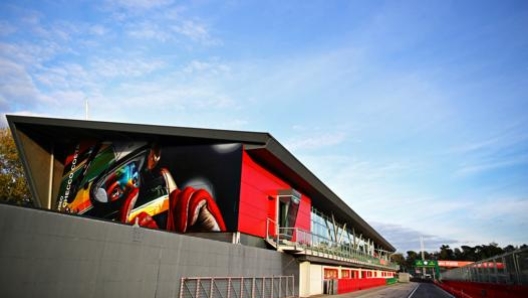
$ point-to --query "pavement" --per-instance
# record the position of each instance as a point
(399, 290)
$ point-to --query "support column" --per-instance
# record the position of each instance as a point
(304, 279)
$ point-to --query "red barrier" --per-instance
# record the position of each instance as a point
(488, 290)
(455, 292)
(351, 285)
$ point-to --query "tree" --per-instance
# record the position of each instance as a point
(400, 260)
(491, 250)
(411, 257)
(457, 254)
(14, 188)
(446, 253)
(468, 253)
(509, 248)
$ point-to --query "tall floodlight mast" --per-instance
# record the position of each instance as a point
(423, 258)
(86, 109)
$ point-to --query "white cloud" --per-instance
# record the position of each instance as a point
(17, 89)
(122, 67)
(6, 28)
(98, 29)
(197, 32)
(29, 54)
(489, 165)
(493, 141)
(164, 22)
(509, 208)
(209, 68)
(31, 17)
(138, 4)
(316, 141)
(475, 146)
(149, 30)
(68, 75)
(500, 150)
(71, 101)
(170, 94)
(407, 238)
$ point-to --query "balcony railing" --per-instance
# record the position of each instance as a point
(304, 242)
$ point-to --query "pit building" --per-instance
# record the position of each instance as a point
(131, 210)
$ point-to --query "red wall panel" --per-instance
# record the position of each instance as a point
(477, 289)
(258, 190)
(304, 215)
(351, 285)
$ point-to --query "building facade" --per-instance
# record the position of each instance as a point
(240, 203)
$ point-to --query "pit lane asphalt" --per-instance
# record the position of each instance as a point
(399, 290)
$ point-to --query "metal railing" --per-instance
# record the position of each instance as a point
(237, 287)
(510, 268)
(316, 245)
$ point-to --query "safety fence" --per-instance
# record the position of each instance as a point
(503, 276)
(510, 268)
(237, 287)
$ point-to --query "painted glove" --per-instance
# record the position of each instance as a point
(194, 210)
(145, 220)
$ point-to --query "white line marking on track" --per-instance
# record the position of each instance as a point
(412, 293)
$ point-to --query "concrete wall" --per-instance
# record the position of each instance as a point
(47, 254)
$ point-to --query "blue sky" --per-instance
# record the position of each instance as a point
(413, 112)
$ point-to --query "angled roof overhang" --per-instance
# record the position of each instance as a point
(35, 134)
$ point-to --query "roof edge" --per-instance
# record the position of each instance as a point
(218, 134)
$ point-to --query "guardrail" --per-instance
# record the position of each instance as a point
(298, 239)
(238, 287)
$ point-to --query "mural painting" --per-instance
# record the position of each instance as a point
(192, 188)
